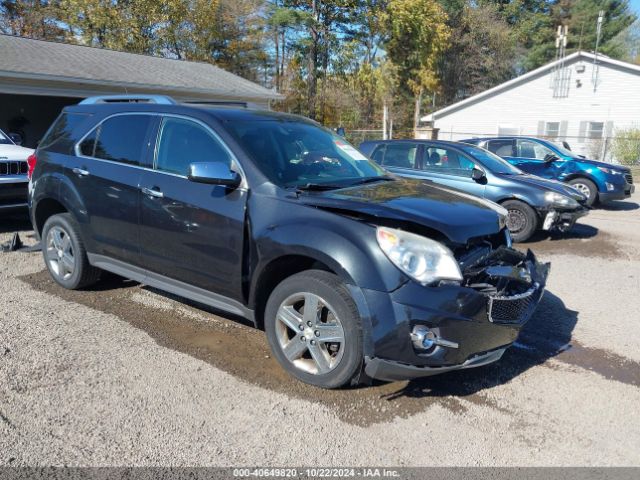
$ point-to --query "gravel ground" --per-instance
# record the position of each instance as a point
(125, 375)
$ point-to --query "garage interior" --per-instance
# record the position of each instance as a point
(30, 115)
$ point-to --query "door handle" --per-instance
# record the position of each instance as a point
(81, 172)
(152, 192)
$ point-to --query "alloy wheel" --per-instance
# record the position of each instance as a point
(59, 253)
(310, 333)
(584, 189)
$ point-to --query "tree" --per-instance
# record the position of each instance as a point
(29, 18)
(418, 34)
(480, 54)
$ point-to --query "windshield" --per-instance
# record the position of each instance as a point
(562, 151)
(490, 160)
(4, 139)
(298, 154)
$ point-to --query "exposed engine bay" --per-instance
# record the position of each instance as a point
(501, 272)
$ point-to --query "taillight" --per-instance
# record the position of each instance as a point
(31, 163)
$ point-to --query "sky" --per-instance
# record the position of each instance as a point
(635, 6)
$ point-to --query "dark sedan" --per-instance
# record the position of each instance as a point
(533, 203)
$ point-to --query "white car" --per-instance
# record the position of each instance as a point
(13, 174)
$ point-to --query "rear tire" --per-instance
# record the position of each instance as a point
(522, 220)
(324, 346)
(587, 187)
(64, 253)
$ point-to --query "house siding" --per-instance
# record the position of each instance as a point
(525, 107)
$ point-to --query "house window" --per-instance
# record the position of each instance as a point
(552, 129)
(595, 129)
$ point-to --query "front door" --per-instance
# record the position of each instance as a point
(191, 232)
(450, 167)
(106, 173)
(529, 157)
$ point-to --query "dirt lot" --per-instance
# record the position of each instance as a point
(125, 375)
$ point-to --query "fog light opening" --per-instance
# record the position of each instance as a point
(424, 338)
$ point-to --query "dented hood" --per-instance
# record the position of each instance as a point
(457, 215)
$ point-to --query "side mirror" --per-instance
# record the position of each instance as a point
(16, 138)
(478, 175)
(214, 173)
(549, 157)
(341, 131)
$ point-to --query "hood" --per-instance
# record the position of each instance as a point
(550, 185)
(596, 163)
(455, 214)
(14, 152)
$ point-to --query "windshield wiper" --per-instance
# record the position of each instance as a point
(382, 178)
(318, 186)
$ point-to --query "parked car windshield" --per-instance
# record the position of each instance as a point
(297, 154)
(4, 139)
(562, 151)
(490, 160)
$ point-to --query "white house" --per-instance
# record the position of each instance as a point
(583, 99)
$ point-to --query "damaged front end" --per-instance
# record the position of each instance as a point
(512, 281)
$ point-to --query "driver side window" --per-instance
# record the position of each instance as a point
(183, 142)
(531, 149)
(447, 162)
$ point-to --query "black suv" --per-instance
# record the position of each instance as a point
(351, 271)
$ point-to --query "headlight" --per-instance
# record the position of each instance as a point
(609, 170)
(559, 200)
(421, 258)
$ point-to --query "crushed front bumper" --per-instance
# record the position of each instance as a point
(562, 220)
(476, 322)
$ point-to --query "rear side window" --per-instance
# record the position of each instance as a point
(402, 155)
(502, 148)
(119, 139)
(183, 142)
(60, 138)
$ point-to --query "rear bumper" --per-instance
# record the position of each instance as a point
(475, 327)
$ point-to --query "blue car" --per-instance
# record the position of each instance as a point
(599, 181)
(533, 203)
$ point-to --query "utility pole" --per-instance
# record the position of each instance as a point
(596, 67)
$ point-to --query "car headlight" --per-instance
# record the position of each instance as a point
(559, 200)
(609, 170)
(421, 258)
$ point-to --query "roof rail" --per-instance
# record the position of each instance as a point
(159, 99)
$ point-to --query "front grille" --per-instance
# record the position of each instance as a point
(629, 178)
(512, 309)
(13, 168)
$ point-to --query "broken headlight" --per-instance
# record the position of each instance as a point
(421, 258)
(559, 200)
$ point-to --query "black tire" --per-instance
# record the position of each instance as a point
(587, 187)
(83, 274)
(522, 220)
(330, 289)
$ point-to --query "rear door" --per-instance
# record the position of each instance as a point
(106, 172)
(400, 157)
(192, 232)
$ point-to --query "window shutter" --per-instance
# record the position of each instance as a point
(582, 132)
(563, 129)
(541, 128)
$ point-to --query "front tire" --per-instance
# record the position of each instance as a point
(586, 187)
(64, 253)
(314, 329)
(522, 220)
